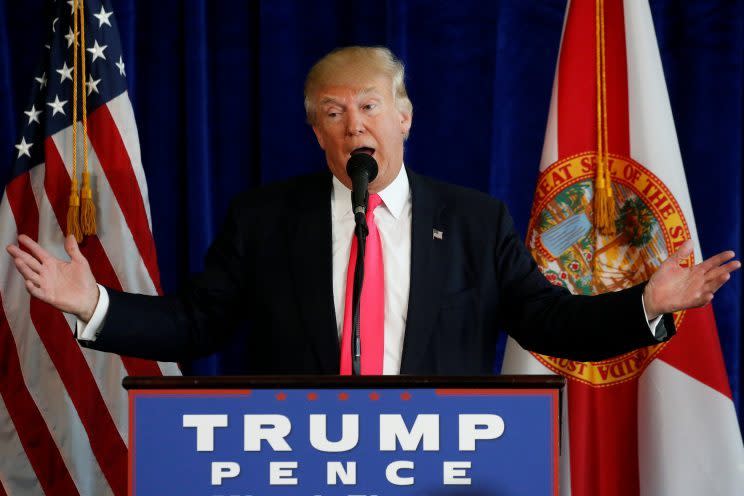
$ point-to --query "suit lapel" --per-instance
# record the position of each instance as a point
(311, 259)
(427, 258)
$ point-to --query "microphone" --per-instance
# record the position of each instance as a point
(362, 169)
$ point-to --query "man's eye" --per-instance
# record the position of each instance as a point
(369, 106)
(333, 115)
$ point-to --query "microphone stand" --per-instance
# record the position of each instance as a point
(360, 231)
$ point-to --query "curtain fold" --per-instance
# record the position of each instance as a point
(7, 105)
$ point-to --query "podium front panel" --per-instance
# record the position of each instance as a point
(336, 440)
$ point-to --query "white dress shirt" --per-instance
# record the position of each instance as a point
(393, 219)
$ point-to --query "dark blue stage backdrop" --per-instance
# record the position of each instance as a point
(217, 92)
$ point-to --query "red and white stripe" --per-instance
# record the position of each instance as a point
(683, 432)
(63, 412)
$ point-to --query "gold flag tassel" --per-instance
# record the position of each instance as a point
(604, 202)
(73, 209)
(88, 208)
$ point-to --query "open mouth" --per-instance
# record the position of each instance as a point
(363, 149)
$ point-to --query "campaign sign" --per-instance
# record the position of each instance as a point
(344, 442)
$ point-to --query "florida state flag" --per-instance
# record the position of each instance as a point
(611, 203)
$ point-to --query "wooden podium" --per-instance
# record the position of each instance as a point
(331, 435)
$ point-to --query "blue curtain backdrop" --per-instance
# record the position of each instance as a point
(217, 92)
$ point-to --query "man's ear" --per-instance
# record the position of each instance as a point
(319, 137)
(406, 119)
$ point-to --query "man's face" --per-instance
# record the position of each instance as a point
(361, 118)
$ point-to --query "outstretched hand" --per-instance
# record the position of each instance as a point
(68, 286)
(673, 287)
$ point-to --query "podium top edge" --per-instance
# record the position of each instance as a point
(328, 381)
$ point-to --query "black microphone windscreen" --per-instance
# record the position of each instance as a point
(360, 162)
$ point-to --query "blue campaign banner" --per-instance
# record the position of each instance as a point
(355, 442)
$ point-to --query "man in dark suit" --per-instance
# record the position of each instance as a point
(454, 269)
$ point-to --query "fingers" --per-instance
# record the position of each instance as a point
(72, 248)
(13, 250)
(705, 298)
(29, 268)
(683, 251)
(34, 290)
(716, 260)
(717, 277)
(28, 273)
(36, 250)
(21, 256)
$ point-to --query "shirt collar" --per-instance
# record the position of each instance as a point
(394, 196)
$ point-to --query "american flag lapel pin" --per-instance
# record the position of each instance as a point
(437, 234)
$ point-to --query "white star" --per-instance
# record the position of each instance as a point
(57, 106)
(71, 3)
(54, 24)
(33, 115)
(92, 84)
(65, 73)
(42, 80)
(120, 65)
(97, 51)
(103, 17)
(71, 37)
(23, 148)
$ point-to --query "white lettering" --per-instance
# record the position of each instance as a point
(391, 472)
(271, 428)
(455, 473)
(477, 427)
(280, 474)
(319, 434)
(224, 470)
(425, 427)
(337, 470)
(205, 425)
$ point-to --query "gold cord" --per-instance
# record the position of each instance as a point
(604, 203)
(81, 212)
(73, 209)
(88, 208)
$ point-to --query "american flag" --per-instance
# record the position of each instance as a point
(63, 412)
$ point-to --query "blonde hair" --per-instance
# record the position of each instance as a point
(352, 65)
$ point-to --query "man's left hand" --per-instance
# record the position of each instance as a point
(673, 287)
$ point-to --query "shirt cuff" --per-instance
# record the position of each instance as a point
(652, 324)
(88, 331)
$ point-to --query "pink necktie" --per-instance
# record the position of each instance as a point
(372, 304)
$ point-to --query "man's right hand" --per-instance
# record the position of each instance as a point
(68, 286)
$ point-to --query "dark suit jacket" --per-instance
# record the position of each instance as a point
(271, 263)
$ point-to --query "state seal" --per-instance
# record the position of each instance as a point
(649, 225)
